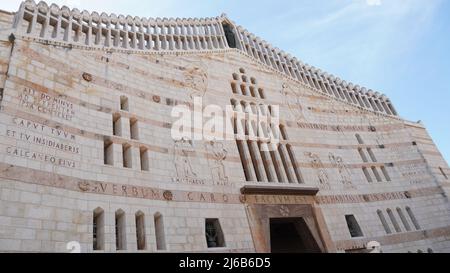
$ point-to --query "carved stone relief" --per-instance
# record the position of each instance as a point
(322, 174)
(196, 80)
(415, 173)
(216, 164)
(293, 102)
(343, 170)
(182, 161)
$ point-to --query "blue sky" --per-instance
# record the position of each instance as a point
(397, 47)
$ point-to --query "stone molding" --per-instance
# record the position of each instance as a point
(177, 36)
(29, 176)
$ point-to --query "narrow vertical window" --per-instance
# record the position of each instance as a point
(393, 220)
(134, 129)
(298, 174)
(279, 169)
(140, 231)
(285, 161)
(377, 175)
(244, 160)
(363, 156)
(234, 88)
(353, 226)
(384, 222)
(283, 132)
(261, 93)
(367, 175)
(145, 166)
(252, 92)
(117, 129)
(124, 106)
(385, 173)
(214, 234)
(413, 218)
(360, 140)
(372, 155)
(403, 218)
(243, 89)
(127, 156)
(159, 232)
(253, 149)
(98, 229)
(120, 229)
(267, 163)
(108, 153)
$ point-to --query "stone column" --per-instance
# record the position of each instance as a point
(136, 158)
(118, 155)
(110, 231)
(267, 162)
(287, 164)
(122, 128)
(130, 231)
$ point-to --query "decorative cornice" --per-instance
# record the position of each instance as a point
(178, 36)
(279, 190)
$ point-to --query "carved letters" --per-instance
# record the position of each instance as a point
(25, 153)
(415, 173)
(44, 103)
(36, 134)
(183, 167)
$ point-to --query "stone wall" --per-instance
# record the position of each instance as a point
(57, 114)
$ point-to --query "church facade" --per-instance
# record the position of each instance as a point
(95, 157)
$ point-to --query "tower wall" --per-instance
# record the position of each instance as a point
(85, 129)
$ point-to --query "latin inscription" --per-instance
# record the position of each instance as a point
(346, 199)
(30, 125)
(278, 199)
(43, 141)
(25, 153)
(44, 103)
(415, 173)
(337, 128)
(153, 194)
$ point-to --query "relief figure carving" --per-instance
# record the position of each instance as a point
(216, 164)
(343, 169)
(293, 102)
(318, 165)
(181, 159)
(196, 80)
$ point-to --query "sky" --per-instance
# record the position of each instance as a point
(398, 47)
